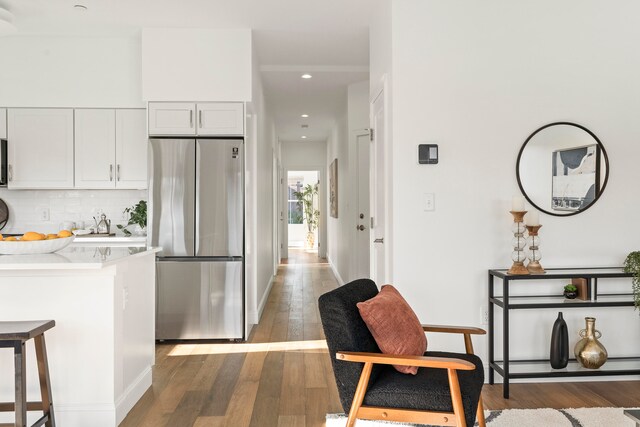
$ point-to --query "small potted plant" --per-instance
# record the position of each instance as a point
(138, 217)
(570, 291)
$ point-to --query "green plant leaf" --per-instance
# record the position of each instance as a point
(632, 265)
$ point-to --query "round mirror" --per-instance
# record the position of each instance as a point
(562, 168)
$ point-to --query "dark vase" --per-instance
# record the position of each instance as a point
(559, 353)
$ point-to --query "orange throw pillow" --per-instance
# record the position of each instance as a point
(394, 326)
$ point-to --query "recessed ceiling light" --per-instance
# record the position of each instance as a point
(304, 115)
(306, 76)
(79, 7)
(304, 137)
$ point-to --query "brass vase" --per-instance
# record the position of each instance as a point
(590, 352)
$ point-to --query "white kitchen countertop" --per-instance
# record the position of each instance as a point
(74, 257)
(114, 239)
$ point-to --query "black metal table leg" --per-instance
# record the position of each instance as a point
(491, 333)
(505, 337)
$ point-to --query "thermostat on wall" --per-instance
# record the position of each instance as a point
(428, 154)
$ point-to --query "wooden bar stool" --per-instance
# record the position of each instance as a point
(14, 335)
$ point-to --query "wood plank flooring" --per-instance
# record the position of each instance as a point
(282, 375)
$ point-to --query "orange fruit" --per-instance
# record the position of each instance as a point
(10, 239)
(1, 237)
(51, 236)
(32, 235)
(65, 233)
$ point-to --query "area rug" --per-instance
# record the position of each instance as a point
(579, 417)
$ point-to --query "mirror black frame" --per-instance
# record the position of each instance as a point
(604, 155)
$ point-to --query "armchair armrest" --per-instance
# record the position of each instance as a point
(454, 329)
(396, 359)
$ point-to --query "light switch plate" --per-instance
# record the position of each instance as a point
(429, 202)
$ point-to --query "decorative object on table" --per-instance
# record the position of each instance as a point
(519, 241)
(4, 214)
(532, 221)
(632, 265)
(307, 197)
(570, 291)
(582, 287)
(138, 217)
(574, 179)
(589, 351)
(333, 188)
(559, 350)
(104, 226)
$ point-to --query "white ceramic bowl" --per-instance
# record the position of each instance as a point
(34, 247)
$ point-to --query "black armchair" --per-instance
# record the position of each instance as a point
(445, 391)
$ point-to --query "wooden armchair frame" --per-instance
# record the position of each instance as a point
(452, 365)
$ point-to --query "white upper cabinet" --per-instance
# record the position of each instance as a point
(172, 118)
(131, 149)
(95, 148)
(111, 148)
(220, 119)
(3, 123)
(201, 119)
(40, 148)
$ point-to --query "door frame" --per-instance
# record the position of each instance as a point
(322, 223)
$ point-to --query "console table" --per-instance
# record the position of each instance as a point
(597, 297)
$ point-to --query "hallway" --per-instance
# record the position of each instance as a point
(281, 377)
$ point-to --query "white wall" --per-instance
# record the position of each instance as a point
(259, 210)
(55, 71)
(196, 64)
(478, 78)
(25, 207)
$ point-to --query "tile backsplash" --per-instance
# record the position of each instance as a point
(28, 207)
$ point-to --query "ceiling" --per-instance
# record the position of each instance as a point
(328, 39)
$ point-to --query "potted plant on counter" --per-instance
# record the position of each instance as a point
(137, 217)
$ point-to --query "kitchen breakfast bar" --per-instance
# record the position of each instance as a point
(101, 350)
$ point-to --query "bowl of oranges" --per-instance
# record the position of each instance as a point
(33, 242)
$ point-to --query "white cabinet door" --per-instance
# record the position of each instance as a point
(95, 148)
(3, 123)
(40, 147)
(131, 149)
(220, 119)
(172, 118)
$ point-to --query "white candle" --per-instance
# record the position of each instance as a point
(517, 204)
(532, 218)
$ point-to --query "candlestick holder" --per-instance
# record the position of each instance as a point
(535, 256)
(519, 243)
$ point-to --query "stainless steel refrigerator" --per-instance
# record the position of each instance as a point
(196, 214)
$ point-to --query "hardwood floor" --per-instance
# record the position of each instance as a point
(282, 376)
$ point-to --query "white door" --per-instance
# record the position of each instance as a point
(172, 118)
(379, 194)
(3, 123)
(41, 152)
(95, 148)
(220, 119)
(131, 149)
(363, 219)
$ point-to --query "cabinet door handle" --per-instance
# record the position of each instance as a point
(10, 173)
(380, 240)
(110, 172)
(200, 118)
(118, 172)
(190, 118)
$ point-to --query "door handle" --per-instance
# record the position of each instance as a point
(110, 172)
(190, 118)
(380, 240)
(360, 227)
(10, 173)
(200, 119)
(118, 172)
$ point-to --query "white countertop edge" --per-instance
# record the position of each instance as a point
(115, 239)
(73, 265)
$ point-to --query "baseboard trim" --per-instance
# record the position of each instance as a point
(335, 271)
(132, 394)
(263, 302)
